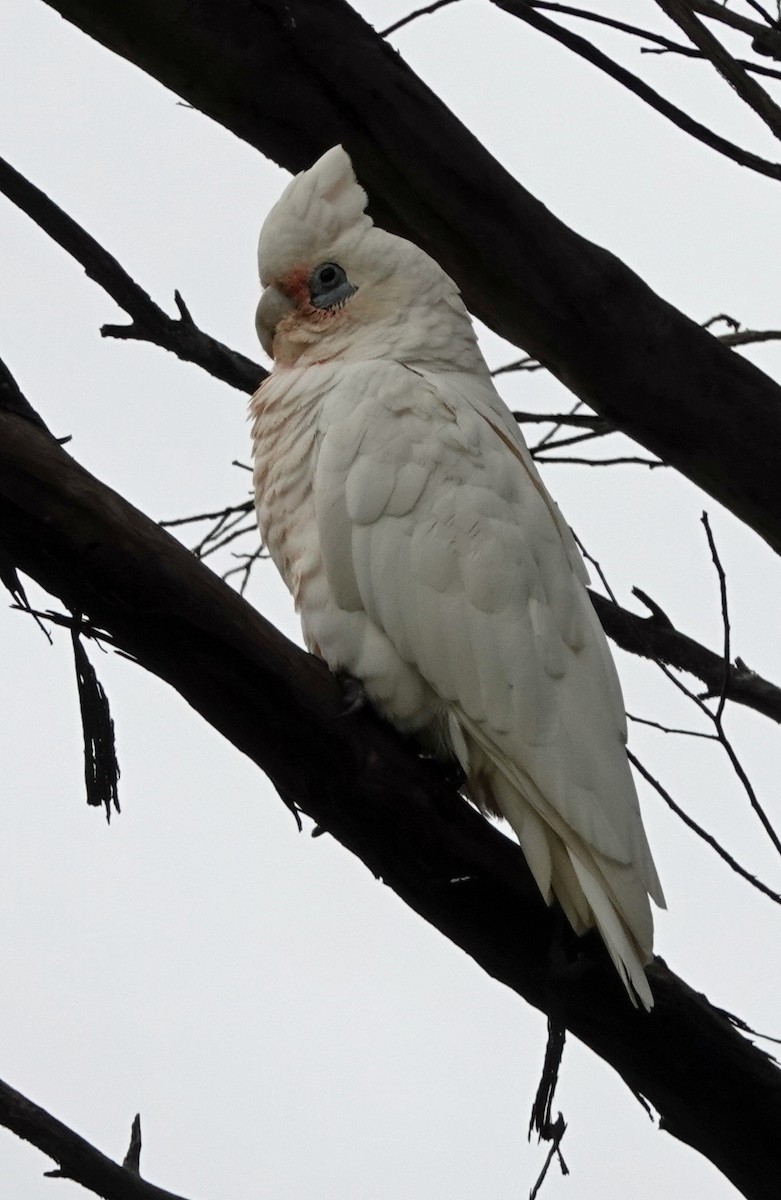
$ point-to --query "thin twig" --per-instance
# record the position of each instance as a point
(523, 10)
(721, 734)
(662, 45)
(724, 614)
(552, 432)
(589, 558)
(244, 507)
(245, 567)
(227, 540)
(747, 88)
(520, 364)
(547, 444)
(726, 318)
(419, 12)
(702, 833)
(604, 462)
(695, 733)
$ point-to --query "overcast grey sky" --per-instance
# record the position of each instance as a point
(285, 1026)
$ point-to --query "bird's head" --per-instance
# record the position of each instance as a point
(336, 287)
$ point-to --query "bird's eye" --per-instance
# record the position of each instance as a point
(329, 286)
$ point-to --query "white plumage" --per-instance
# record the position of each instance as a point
(400, 503)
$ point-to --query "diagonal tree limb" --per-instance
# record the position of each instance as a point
(664, 44)
(294, 78)
(655, 637)
(717, 10)
(149, 322)
(526, 10)
(736, 76)
(75, 1157)
(359, 781)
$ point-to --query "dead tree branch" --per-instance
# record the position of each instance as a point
(76, 1159)
(706, 837)
(766, 40)
(359, 781)
(525, 10)
(660, 44)
(736, 76)
(149, 323)
(655, 637)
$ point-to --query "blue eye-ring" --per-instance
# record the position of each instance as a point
(329, 286)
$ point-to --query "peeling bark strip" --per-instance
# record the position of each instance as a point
(358, 780)
(294, 78)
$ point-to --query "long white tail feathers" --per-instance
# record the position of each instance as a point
(582, 890)
(591, 889)
(620, 945)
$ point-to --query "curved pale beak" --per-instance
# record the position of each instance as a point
(273, 306)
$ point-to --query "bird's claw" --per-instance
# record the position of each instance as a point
(354, 695)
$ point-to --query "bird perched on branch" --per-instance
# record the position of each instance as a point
(398, 500)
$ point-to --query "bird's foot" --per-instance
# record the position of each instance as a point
(567, 955)
(354, 694)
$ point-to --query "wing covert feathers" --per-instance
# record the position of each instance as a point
(433, 519)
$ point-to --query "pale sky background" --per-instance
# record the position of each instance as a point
(286, 1028)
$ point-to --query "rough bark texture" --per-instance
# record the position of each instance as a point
(294, 78)
(359, 781)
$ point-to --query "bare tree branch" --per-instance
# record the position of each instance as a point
(76, 1158)
(747, 337)
(747, 88)
(413, 16)
(359, 781)
(706, 837)
(525, 10)
(621, 461)
(149, 322)
(766, 41)
(521, 364)
(656, 638)
(661, 44)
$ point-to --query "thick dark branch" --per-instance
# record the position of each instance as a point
(360, 782)
(75, 1157)
(656, 638)
(149, 322)
(747, 88)
(294, 78)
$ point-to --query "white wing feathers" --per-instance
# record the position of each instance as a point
(433, 520)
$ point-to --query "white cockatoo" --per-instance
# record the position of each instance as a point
(399, 502)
